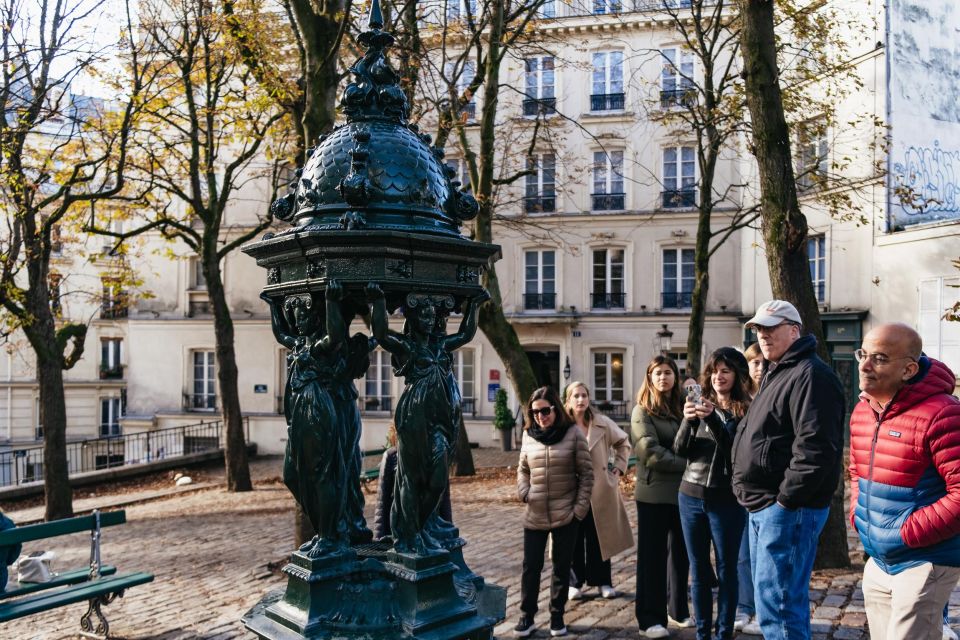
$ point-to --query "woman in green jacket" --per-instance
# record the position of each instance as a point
(661, 554)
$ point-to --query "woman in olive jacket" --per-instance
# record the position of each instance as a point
(654, 425)
(709, 511)
(554, 480)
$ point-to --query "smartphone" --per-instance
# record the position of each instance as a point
(694, 393)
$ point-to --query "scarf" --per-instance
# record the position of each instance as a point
(553, 435)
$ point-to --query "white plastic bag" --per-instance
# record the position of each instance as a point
(36, 567)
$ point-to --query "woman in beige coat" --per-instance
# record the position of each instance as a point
(554, 480)
(596, 544)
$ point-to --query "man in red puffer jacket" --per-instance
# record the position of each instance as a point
(905, 484)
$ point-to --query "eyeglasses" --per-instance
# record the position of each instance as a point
(759, 328)
(877, 359)
(543, 412)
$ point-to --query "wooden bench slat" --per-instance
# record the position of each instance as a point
(69, 595)
(56, 528)
(69, 577)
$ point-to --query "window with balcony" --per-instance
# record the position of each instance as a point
(376, 385)
(813, 154)
(539, 94)
(676, 78)
(679, 178)
(203, 383)
(817, 257)
(540, 280)
(110, 358)
(941, 337)
(111, 410)
(464, 369)
(608, 384)
(113, 303)
(608, 280)
(601, 7)
(541, 196)
(608, 193)
(457, 9)
(461, 81)
(607, 89)
(548, 9)
(678, 278)
(198, 300)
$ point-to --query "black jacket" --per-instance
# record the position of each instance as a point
(706, 445)
(788, 447)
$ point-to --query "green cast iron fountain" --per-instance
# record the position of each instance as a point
(376, 218)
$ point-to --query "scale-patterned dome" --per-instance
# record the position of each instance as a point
(376, 171)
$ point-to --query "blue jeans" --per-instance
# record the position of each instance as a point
(745, 577)
(783, 544)
(721, 523)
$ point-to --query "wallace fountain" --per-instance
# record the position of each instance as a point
(376, 217)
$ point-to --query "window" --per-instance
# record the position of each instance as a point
(677, 278)
(607, 376)
(679, 178)
(110, 355)
(680, 357)
(540, 280)
(204, 390)
(197, 280)
(376, 387)
(606, 6)
(608, 285)
(941, 338)
(676, 78)
(817, 257)
(114, 301)
(608, 194)
(457, 9)
(813, 155)
(111, 243)
(607, 81)
(38, 428)
(459, 168)
(463, 367)
(467, 72)
(548, 9)
(55, 280)
(541, 184)
(111, 410)
(56, 239)
(539, 86)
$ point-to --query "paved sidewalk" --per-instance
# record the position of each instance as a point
(209, 550)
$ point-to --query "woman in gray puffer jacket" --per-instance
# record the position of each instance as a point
(554, 480)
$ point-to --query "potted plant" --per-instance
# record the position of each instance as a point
(503, 420)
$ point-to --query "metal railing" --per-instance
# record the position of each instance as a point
(677, 300)
(469, 110)
(607, 102)
(200, 402)
(113, 310)
(539, 204)
(607, 300)
(679, 198)
(373, 404)
(111, 373)
(671, 98)
(539, 301)
(614, 409)
(25, 464)
(536, 106)
(609, 201)
(469, 406)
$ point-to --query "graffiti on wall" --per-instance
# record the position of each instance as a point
(924, 57)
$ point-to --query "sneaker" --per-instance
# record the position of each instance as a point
(686, 623)
(740, 621)
(606, 591)
(524, 628)
(557, 628)
(656, 631)
(948, 633)
(574, 593)
(752, 628)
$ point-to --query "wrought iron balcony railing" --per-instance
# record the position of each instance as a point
(537, 106)
(607, 102)
(540, 204)
(539, 301)
(614, 409)
(609, 201)
(200, 401)
(678, 98)
(677, 300)
(375, 404)
(679, 198)
(607, 300)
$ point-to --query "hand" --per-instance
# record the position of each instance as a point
(334, 291)
(690, 410)
(374, 292)
(704, 409)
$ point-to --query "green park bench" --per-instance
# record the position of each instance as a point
(98, 584)
(370, 475)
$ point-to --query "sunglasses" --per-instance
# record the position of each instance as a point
(542, 412)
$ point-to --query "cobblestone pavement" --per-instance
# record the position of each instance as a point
(209, 551)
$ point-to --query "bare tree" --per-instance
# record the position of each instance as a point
(58, 153)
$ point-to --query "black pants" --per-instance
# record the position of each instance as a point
(588, 564)
(534, 546)
(661, 577)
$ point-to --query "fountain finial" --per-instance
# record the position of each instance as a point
(376, 16)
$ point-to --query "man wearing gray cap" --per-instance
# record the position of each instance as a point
(786, 464)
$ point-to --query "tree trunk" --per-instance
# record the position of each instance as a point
(53, 416)
(318, 28)
(235, 447)
(463, 457)
(784, 225)
(701, 289)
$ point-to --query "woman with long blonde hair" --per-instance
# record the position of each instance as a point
(662, 565)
